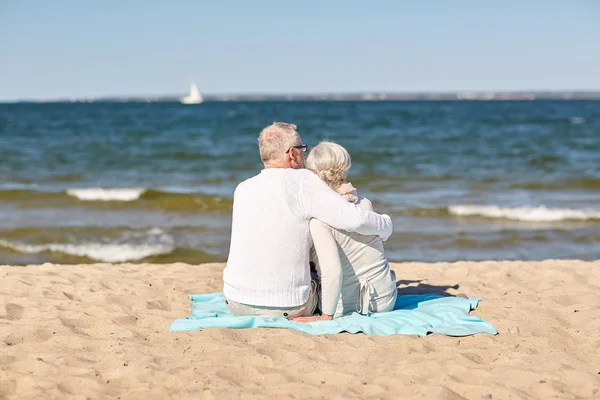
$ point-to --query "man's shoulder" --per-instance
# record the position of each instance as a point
(292, 177)
(301, 181)
(294, 172)
(289, 177)
(247, 183)
(301, 174)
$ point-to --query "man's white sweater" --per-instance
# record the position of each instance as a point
(268, 262)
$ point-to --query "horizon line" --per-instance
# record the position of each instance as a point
(374, 95)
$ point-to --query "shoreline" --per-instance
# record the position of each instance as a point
(102, 331)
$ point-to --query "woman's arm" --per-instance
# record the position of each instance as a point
(329, 268)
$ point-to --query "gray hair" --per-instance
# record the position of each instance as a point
(275, 140)
(330, 162)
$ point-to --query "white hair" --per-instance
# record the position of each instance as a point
(275, 140)
(330, 162)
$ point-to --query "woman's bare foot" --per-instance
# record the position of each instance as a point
(323, 317)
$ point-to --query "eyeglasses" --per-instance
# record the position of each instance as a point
(303, 146)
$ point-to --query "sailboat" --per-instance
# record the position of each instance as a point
(194, 98)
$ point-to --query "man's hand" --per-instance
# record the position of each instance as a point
(314, 318)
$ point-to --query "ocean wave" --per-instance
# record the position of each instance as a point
(137, 198)
(106, 252)
(528, 214)
(99, 194)
(89, 244)
(592, 184)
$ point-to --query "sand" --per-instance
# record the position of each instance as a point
(102, 331)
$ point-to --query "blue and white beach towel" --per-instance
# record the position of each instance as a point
(412, 315)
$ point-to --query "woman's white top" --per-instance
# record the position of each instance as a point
(355, 274)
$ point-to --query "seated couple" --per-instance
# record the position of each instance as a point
(285, 217)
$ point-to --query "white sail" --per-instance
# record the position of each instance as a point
(194, 98)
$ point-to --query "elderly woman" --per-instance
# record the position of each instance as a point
(354, 272)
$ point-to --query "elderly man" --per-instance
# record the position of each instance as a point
(267, 271)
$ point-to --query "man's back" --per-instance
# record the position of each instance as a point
(268, 258)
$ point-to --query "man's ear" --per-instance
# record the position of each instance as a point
(293, 160)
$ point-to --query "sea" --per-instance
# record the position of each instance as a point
(153, 182)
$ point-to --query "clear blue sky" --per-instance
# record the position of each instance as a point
(64, 48)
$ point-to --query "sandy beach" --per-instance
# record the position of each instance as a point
(102, 331)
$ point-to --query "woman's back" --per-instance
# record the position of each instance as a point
(354, 266)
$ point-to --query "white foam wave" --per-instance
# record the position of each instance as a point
(106, 252)
(155, 231)
(99, 194)
(577, 120)
(529, 214)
